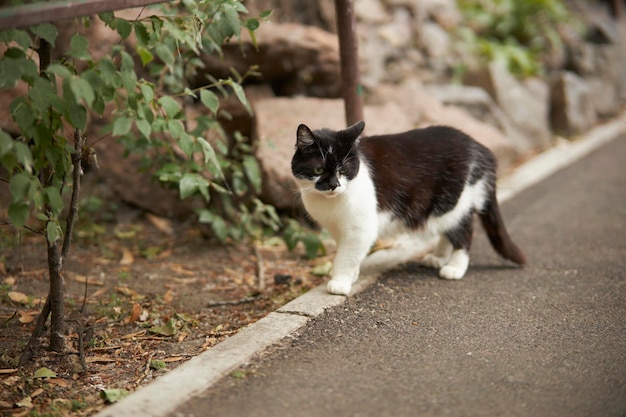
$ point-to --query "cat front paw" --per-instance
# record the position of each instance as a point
(433, 261)
(339, 287)
(451, 272)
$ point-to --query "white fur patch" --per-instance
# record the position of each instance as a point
(472, 198)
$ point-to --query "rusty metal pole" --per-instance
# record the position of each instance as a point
(348, 52)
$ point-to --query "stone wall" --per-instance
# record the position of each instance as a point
(407, 58)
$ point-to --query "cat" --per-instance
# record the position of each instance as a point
(427, 181)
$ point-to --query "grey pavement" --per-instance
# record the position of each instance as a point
(548, 339)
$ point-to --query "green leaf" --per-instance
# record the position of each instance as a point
(18, 214)
(123, 27)
(164, 53)
(20, 186)
(170, 106)
(122, 125)
(210, 100)
(113, 395)
(144, 127)
(24, 156)
(107, 17)
(108, 72)
(43, 94)
(322, 269)
(253, 172)
(58, 69)
(142, 34)
(232, 18)
(46, 31)
(11, 70)
(6, 143)
(53, 198)
(147, 90)
(167, 329)
(192, 182)
(80, 48)
(157, 364)
(145, 55)
(241, 95)
(313, 245)
(53, 231)
(20, 36)
(44, 373)
(252, 24)
(10, 73)
(176, 130)
(82, 90)
(210, 155)
(218, 225)
(22, 113)
(77, 115)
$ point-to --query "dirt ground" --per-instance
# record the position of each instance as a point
(146, 295)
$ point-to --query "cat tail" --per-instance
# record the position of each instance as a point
(496, 232)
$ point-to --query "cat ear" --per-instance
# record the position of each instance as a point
(304, 137)
(355, 130)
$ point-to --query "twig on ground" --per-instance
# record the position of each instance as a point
(146, 371)
(234, 302)
(260, 269)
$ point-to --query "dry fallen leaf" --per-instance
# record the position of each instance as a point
(25, 317)
(58, 382)
(164, 225)
(9, 281)
(25, 402)
(168, 296)
(100, 359)
(173, 359)
(127, 257)
(18, 297)
(135, 312)
(127, 291)
(179, 269)
(89, 280)
(36, 392)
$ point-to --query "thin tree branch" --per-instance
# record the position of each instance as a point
(72, 215)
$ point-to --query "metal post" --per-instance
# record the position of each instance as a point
(348, 52)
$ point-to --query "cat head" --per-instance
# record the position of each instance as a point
(325, 161)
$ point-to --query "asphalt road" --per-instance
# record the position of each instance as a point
(548, 339)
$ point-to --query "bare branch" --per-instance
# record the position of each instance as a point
(72, 216)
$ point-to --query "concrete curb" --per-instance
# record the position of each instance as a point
(170, 391)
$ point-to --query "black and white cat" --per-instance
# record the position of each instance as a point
(426, 181)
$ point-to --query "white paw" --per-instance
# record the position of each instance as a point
(451, 272)
(434, 261)
(339, 287)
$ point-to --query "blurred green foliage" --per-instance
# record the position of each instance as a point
(518, 33)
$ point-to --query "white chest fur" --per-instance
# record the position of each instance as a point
(344, 213)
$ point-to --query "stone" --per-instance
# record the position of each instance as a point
(294, 59)
(479, 104)
(371, 11)
(277, 121)
(572, 111)
(434, 40)
(526, 103)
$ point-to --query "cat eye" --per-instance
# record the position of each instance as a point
(318, 171)
(343, 171)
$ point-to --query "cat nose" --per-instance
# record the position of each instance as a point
(333, 183)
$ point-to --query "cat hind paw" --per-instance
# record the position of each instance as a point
(434, 261)
(451, 272)
(339, 287)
